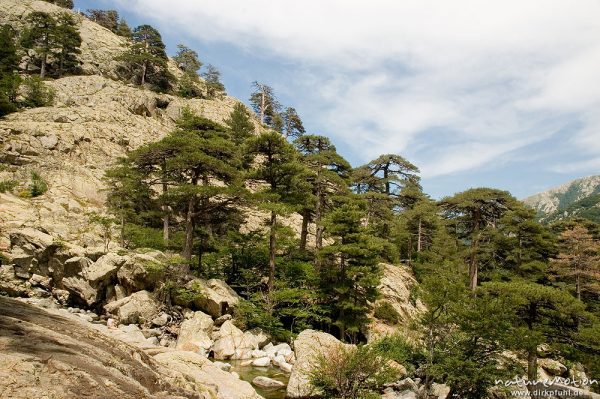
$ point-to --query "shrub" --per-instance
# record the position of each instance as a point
(8, 185)
(38, 185)
(37, 93)
(396, 348)
(351, 372)
(187, 296)
(386, 312)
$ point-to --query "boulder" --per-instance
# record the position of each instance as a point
(223, 366)
(439, 391)
(89, 280)
(10, 284)
(307, 347)
(216, 297)
(262, 362)
(194, 333)
(259, 337)
(222, 319)
(161, 320)
(32, 241)
(553, 367)
(267, 382)
(232, 343)
(202, 371)
(139, 307)
(140, 272)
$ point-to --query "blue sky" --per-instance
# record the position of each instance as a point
(498, 94)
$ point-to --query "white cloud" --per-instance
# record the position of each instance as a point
(495, 75)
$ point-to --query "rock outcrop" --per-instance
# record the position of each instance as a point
(202, 371)
(308, 346)
(64, 358)
(140, 307)
(194, 333)
(395, 287)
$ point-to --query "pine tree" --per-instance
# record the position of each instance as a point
(264, 103)
(68, 42)
(203, 156)
(541, 314)
(474, 211)
(146, 59)
(579, 260)
(9, 64)
(187, 60)
(40, 37)
(240, 124)
(328, 177)
(212, 77)
(106, 18)
(279, 169)
(350, 268)
(124, 30)
(292, 124)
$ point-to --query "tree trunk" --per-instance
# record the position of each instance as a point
(318, 221)
(43, 69)
(419, 235)
(272, 248)
(578, 285)
(165, 207)
(144, 68)
(189, 229)
(304, 231)
(262, 106)
(473, 259)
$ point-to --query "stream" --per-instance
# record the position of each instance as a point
(247, 373)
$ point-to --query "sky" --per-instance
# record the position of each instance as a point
(502, 94)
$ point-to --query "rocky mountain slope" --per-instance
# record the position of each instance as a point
(579, 197)
(104, 331)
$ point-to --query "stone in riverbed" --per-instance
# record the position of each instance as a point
(262, 362)
(267, 382)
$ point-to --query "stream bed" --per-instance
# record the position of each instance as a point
(247, 373)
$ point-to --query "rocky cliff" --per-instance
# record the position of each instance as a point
(574, 198)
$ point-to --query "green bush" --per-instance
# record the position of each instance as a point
(138, 236)
(396, 348)
(37, 93)
(386, 312)
(8, 185)
(187, 296)
(351, 373)
(38, 185)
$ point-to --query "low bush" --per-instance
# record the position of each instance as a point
(352, 373)
(386, 312)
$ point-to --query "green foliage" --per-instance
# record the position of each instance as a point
(62, 3)
(240, 124)
(188, 62)
(8, 185)
(146, 60)
(38, 185)
(55, 41)
(351, 373)
(9, 64)
(350, 269)
(106, 225)
(212, 79)
(265, 105)
(110, 20)
(187, 296)
(397, 348)
(37, 93)
(291, 123)
(386, 312)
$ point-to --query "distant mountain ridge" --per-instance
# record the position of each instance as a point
(577, 198)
